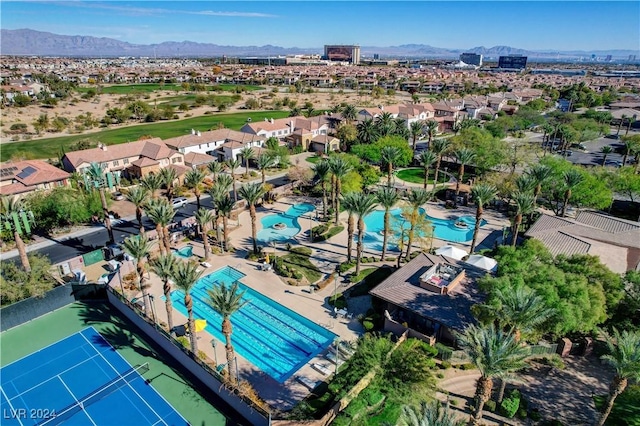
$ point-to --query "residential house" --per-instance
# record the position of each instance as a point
(615, 241)
(324, 144)
(221, 144)
(22, 177)
(431, 297)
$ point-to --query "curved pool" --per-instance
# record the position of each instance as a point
(283, 226)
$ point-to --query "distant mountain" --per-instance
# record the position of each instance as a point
(38, 43)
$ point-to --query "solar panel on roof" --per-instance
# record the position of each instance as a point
(26, 172)
(7, 171)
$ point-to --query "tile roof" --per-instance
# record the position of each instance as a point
(26, 175)
(153, 148)
(208, 137)
(197, 158)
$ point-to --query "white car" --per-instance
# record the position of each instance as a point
(178, 202)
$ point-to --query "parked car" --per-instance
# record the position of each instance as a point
(580, 146)
(178, 202)
(118, 196)
(612, 136)
(613, 163)
(566, 153)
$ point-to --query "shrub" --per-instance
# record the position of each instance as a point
(445, 364)
(467, 366)
(372, 395)
(344, 267)
(183, 341)
(443, 350)
(509, 405)
(368, 325)
(522, 413)
(440, 375)
(490, 405)
(305, 251)
(535, 415)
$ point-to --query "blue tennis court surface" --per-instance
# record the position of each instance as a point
(80, 380)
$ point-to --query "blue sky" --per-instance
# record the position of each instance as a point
(544, 25)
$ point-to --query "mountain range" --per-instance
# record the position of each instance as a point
(27, 42)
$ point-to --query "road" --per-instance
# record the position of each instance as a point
(61, 249)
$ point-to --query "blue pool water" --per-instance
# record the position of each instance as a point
(288, 220)
(184, 252)
(267, 334)
(444, 229)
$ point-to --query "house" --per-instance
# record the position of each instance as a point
(284, 127)
(23, 177)
(221, 144)
(615, 241)
(325, 144)
(431, 297)
(134, 159)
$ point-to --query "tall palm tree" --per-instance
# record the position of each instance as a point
(427, 158)
(416, 130)
(339, 169)
(416, 198)
(204, 217)
(482, 194)
(430, 414)
(163, 266)
(161, 213)
(622, 118)
(439, 147)
(95, 172)
(152, 182)
(524, 205)
(525, 183)
(138, 247)
(322, 171)
(247, 154)
(496, 354)
(624, 357)
(138, 196)
(628, 148)
(184, 276)
(193, 180)
(224, 182)
(572, 178)
(349, 202)
(390, 155)
(464, 156)
(605, 151)
(215, 168)
(226, 300)
(365, 204)
(385, 121)
(252, 192)
(367, 131)
(232, 165)
(540, 174)
(349, 113)
(224, 206)
(387, 198)
(15, 218)
(264, 161)
(431, 129)
(169, 176)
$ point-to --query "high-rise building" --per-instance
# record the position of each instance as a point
(514, 62)
(471, 59)
(342, 53)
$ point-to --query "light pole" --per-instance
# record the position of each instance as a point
(215, 352)
(310, 227)
(337, 345)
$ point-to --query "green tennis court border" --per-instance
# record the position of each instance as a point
(178, 387)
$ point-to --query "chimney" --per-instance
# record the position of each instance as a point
(272, 121)
(193, 132)
(104, 147)
(199, 134)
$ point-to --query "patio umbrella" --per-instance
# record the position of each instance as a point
(200, 324)
(452, 252)
(482, 262)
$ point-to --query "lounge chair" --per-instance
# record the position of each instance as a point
(322, 368)
(332, 357)
(310, 384)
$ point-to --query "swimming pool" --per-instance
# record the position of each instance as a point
(444, 229)
(185, 252)
(283, 226)
(269, 335)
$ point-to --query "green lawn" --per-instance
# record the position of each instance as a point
(413, 175)
(125, 89)
(314, 159)
(302, 263)
(51, 147)
(189, 99)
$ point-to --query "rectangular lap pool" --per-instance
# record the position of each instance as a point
(269, 335)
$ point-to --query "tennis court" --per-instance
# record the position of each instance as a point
(81, 379)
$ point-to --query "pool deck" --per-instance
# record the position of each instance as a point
(326, 255)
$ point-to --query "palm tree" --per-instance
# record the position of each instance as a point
(439, 147)
(390, 155)
(430, 129)
(215, 168)
(152, 182)
(14, 218)
(427, 158)
(169, 176)
(224, 206)
(496, 354)
(525, 183)
(624, 357)
(204, 217)
(184, 276)
(387, 198)
(482, 194)
(430, 414)
(322, 171)
(95, 172)
(224, 182)
(349, 113)
(367, 131)
(605, 150)
(349, 202)
(524, 205)
(252, 192)
(629, 147)
(247, 154)
(540, 174)
(622, 118)
(365, 204)
(416, 198)
(163, 266)
(226, 300)
(385, 121)
(233, 165)
(138, 247)
(572, 178)
(339, 169)
(161, 213)
(264, 161)
(193, 180)
(416, 130)
(464, 156)
(138, 196)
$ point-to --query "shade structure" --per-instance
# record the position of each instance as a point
(452, 252)
(200, 324)
(482, 262)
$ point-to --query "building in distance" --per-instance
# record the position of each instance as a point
(471, 59)
(512, 62)
(342, 53)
